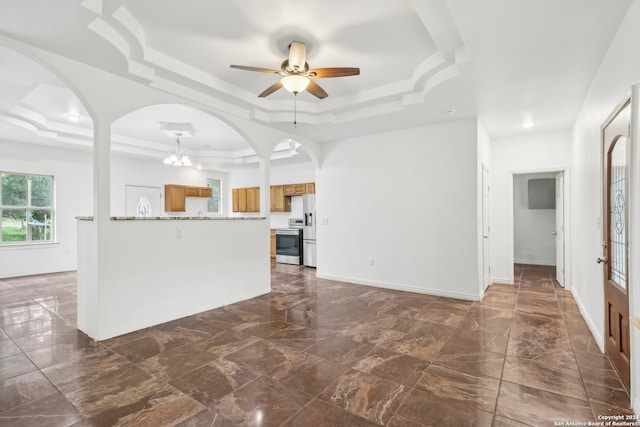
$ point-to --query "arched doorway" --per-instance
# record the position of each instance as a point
(142, 143)
(45, 163)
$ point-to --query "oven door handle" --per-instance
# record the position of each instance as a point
(287, 232)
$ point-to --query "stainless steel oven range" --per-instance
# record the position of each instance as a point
(289, 242)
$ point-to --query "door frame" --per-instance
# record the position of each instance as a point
(634, 246)
(485, 219)
(566, 170)
(630, 100)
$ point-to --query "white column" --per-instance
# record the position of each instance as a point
(90, 233)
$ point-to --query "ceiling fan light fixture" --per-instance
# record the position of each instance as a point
(295, 83)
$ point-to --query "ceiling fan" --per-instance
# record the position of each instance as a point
(296, 75)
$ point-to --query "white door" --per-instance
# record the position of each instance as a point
(560, 228)
(486, 267)
(143, 201)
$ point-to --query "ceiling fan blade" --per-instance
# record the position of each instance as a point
(258, 69)
(297, 55)
(323, 73)
(268, 91)
(315, 90)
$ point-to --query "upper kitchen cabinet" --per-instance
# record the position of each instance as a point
(239, 196)
(253, 199)
(199, 192)
(310, 188)
(246, 199)
(174, 198)
(294, 189)
(279, 202)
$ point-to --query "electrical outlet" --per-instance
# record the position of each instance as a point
(178, 233)
(372, 261)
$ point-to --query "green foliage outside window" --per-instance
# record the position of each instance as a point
(26, 207)
(213, 203)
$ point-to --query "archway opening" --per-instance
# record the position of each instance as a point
(142, 145)
(46, 146)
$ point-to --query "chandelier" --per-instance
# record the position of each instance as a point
(177, 157)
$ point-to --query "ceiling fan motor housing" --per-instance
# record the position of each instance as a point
(286, 68)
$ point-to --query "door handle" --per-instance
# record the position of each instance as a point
(485, 237)
(554, 234)
(603, 260)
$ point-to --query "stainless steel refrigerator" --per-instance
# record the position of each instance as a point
(309, 230)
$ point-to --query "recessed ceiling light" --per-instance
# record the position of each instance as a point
(528, 125)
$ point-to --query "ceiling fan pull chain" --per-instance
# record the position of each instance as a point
(295, 110)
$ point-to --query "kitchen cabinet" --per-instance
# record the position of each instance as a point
(273, 244)
(246, 199)
(310, 188)
(294, 189)
(279, 202)
(253, 199)
(174, 198)
(239, 196)
(199, 192)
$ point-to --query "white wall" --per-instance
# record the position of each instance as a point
(407, 199)
(73, 176)
(619, 70)
(533, 241)
(145, 279)
(535, 152)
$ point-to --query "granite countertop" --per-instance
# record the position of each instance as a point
(173, 218)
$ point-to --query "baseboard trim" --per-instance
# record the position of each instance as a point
(587, 319)
(501, 281)
(398, 287)
(535, 262)
(36, 273)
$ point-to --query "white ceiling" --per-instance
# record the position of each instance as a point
(504, 61)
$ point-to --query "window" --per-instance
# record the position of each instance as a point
(26, 208)
(214, 204)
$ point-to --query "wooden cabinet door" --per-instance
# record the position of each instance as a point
(242, 200)
(174, 198)
(310, 188)
(273, 244)
(279, 202)
(273, 197)
(294, 189)
(205, 192)
(276, 196)
(239, 198)
(234, 199)
(252, 199)
(192, 192)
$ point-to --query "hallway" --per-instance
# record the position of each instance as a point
(312, 352)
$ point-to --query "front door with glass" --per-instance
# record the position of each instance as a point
(615, 195)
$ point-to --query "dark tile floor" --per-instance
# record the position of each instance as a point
(311, 353)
